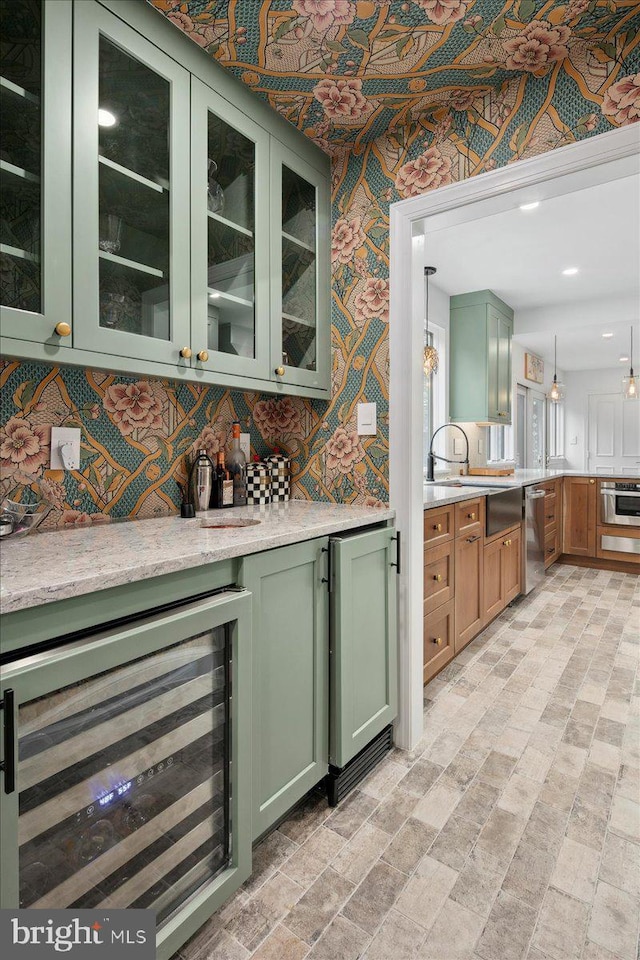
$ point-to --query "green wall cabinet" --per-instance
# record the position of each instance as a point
(127, 778)
(290, 675)
(364, 644)
(481, 327)
(35, 175)
(201, 227)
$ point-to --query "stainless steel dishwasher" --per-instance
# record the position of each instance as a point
(533, 546)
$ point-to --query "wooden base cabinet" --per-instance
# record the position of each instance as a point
(438, 640)
(290, 675)
(502, 575)
(469, 612)
(579, 516)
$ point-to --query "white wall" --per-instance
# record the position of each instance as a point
(579, 385)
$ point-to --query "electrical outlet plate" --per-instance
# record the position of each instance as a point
(367, 414)
(70, 437)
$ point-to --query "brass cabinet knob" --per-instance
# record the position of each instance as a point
(437, 640)
(437, 526)
(280, 371)
(506, 543)
(203, 356)
(592, 481)
(62, 329)
(471, 516)
(437, 577)
(186, 352)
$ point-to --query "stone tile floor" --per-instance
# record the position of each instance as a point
(512, 831)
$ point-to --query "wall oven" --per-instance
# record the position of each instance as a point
(125, 768)
(620, 503)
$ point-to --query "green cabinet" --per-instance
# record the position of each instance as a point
(201, 225)
(126, 776)
(35, 175)
(364, 644)
(481, 327)
(290, 675)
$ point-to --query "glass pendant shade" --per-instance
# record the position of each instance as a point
(556, 393)
(430, 358)
(630, 384)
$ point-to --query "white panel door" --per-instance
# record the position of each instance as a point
(614, 435)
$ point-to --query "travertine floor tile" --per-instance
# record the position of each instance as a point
(479, 882)
(528, 874)
(519, 796)
(576, 870)
(409, 845)
(315, 910)
(508, 930)
(625, 817)
(398, 937)
(426, 892)
(309, 860)
(454, 934)
(281, 944)
(360, 853)
(614, 921)
(500, 835)
(621, 864)
(341, 939)
(375, 896)
(561, 926)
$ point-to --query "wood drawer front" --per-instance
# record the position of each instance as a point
(438, 638)
(550, 488)
(438, 525)
(438, 576)
(470, 517)
(551, 544)
(551, 505)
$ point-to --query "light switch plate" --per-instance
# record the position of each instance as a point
(458, 445)
(245, 445)
(65, 435)
(367, 414)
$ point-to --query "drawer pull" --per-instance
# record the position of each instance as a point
(62, 329)
(437, 527)
(471, 516)
(185, 352)
(203, 356)
(437, 577)
(506, 543)
(438, 640)
(279, 371)
(473, 539)
(591, 481)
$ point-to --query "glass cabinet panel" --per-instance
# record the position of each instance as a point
(131, 192)
(229, 211)
(20, 154)
(124, 782)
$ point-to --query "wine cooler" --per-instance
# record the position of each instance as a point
(124, 780)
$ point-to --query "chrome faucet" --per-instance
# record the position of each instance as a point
(433, 456)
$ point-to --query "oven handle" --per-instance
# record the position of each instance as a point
(620, 493)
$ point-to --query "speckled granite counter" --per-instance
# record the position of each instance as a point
(45, 567)
(436, 496)
(524, 478)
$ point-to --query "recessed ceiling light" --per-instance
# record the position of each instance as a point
(623, 359)
(607, 336)
(106, 118)
(530, 206)
(570, 271)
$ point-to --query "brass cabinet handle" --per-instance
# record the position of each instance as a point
(438, 527)
(437, 577)
(280, 371)
(437, 640)
(62, 329)
(186, 352)
(203, 356)
(471, 516)
(592, 481)
(506, 543)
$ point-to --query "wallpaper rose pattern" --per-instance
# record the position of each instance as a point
(407, 97)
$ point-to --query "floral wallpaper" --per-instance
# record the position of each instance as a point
(407, 97)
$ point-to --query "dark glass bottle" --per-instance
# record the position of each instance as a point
(222, 495)
(237, 463)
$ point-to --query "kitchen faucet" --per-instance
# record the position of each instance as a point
(434, 456)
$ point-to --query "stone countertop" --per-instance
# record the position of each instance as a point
(45, 567)
(437, 496)
(524, 478)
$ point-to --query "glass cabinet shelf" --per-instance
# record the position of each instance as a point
(10, 87)
(298, 243)
(17, 252)
(229, 297)
(131, 264)
(229, 223)
(19, 172)
(132, 175)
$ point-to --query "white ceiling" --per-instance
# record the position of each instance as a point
(520, 256)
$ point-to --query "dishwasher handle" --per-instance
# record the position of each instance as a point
(536, 495)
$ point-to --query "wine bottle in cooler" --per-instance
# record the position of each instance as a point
(237, 466)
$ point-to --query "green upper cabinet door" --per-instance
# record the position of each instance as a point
(229, 238)
(480, 386)
(290, 675)
(35, 174)
(364, 646)
(131, 193)
(300, 279)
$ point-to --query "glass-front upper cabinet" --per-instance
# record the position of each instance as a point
(131, 193)
(299, 250)
(230, 238)
(35, 171)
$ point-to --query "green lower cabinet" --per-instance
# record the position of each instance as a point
(290, 675)
(364, 645)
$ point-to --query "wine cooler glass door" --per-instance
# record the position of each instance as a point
(123, 775)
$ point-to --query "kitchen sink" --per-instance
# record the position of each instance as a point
(227, 524)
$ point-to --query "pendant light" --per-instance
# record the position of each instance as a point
(630, 384)
(557, 391)
(430, 357)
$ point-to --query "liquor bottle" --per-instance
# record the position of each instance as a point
(223, 486)
(237, 464)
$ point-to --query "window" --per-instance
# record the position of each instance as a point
(434, 394)
(500, 444)
(556, 430)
